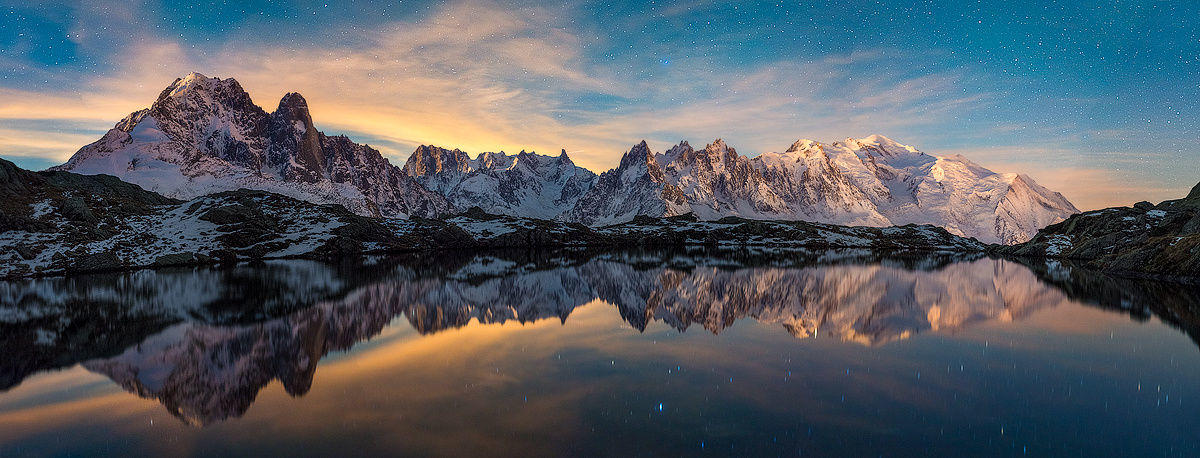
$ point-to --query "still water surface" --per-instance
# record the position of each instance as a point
(834, 353)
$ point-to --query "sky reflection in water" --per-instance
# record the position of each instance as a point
(821, 353)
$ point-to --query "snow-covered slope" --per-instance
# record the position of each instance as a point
(903, 185)
(873, 181)
(525, 184)
(205, 135)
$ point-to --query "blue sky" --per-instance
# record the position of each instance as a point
(1095, 99)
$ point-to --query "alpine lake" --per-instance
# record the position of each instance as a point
(747, 352)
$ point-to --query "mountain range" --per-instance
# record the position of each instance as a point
(204, 135)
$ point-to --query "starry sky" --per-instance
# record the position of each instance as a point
(1096, 99)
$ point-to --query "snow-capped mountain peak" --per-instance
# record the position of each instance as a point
(190, 81)
(639, 154)
(718, 153)
(564, 159)
(717, 146)
(804, 144)
(877, 139)
(682, 149)
(205, 135)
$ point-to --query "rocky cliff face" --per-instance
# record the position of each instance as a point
(718, 182)
(205, 135)
(525, 184)
(637, 187)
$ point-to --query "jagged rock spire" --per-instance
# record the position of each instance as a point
(430, 159)
(640, 153)
(292, 116)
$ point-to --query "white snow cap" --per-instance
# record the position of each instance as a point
(878, 139)
(186, 83)
(803, 144)
(882, 142)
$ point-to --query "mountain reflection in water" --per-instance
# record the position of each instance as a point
(204, 342)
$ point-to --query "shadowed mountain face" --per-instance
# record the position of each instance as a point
(204, 343)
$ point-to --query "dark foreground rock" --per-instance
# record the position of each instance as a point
(1145, 240)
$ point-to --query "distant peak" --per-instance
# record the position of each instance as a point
(189, 82)
(716, 146)
(293, 99)
(639, 153)
(191, 77)
(884, 143)
(196, 83)
(681, 147)
(293, 107)
(563, 158)
(802, 144)
(878, 139)
(526, 157)
(430, 149)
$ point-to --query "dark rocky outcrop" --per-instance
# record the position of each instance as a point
(93, 204)
(1145, 240)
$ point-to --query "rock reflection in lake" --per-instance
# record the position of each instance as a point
(204, 342)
